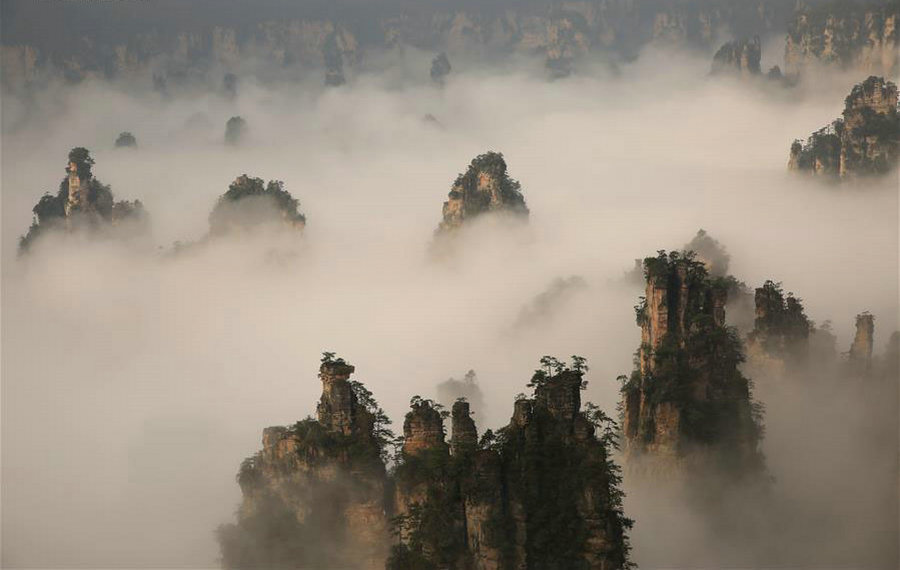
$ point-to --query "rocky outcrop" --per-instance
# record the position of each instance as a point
(485, 187)
(465, 436)
(338, 407)
(541, 493)
(849, 35)
(687, 403)
(250, 205)
(779, 341)
(871, 129)
(864, 141)
(338, 39)
(860, 356)
(314, 495)
(83, 203)
(740, 57)
(423, 429)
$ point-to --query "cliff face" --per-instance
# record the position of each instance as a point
(83, 203)
(864, 141)
(871, 133)
(739, 57)
(314, 495)
(540, 493)
(687, 401)
(337, 39)
(780, 339)
(484, 188)
(860, 356)
(854, 36)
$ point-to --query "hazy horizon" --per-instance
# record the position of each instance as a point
(135, 382)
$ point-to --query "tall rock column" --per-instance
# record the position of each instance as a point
(485, 187)
(337, 406)
(464, 438)
(313, 497)
(869, 139)
(864, 141)
(860, 355)
(687, 402)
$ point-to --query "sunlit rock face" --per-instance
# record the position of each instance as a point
(485, 187)
(687, 404)
(850, 36)
(871, 131)
(314, 495)
(423, 429)
(541, 491)
(338, 407)
(84, 204)
(863, 142)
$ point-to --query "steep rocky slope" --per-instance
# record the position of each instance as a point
(336, 36)
(861, 36)
(83, 203)
(542, 492)
(485, 187)
(779, 341)
(864, 141)
(687, 404)
(314, 495)
(249, 204)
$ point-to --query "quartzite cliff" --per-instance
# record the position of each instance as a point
(864, 141)
(83, 203)
(686, 405)
(542, 492)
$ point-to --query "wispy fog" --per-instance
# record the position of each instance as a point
(134, 382)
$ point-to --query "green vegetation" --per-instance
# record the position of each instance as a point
(695, 367)
(81, 158)
(782, 327)
(865, 141)
(97, 210)
(822, 150)
(532, 477)
(543, 492)
(492, 164)
(249, 202)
